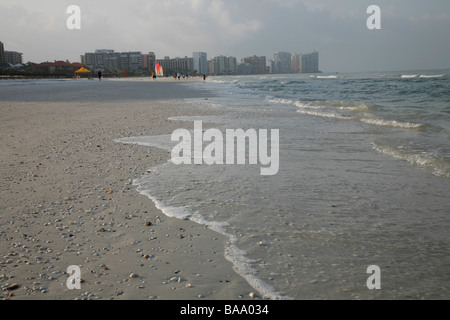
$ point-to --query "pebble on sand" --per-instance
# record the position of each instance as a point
(12, 287)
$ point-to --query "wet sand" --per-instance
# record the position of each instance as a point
(67, 196)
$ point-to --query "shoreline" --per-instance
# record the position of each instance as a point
(68, 199)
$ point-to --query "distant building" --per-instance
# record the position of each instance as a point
(285, 62)
(148, 62)
(102, 59)
(200, 62)
(296, 63)
(172, 66)
(222, 65)
(244, 68)
(58, 68)
(134, 62)
(310, 62)
(212, 67)
(282, 62)
(106, 59)
(2, 53)
(12, 57)
(252, 65)
(270, 66)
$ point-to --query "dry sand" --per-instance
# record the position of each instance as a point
(67, 197)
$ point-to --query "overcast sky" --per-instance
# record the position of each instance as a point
(414, 33)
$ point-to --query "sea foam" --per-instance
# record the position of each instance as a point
(441, 168)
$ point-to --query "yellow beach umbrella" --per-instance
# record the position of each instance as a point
(82, 70)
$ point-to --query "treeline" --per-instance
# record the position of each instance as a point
(30, 70)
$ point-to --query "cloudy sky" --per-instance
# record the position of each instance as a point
(414, 33)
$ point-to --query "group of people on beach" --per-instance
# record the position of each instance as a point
(178, 76)
(175, 76)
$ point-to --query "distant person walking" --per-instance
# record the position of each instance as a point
(99, 75)
(204, 77)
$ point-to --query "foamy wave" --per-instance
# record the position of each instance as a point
(392, 123)
(441, 168)
(409, 76)
(241, 264)
(280, 101)
(298, 104)
(359, 108)
(350, 106)
(326, 77)
(331, 104)
(304, 105)
(323, 114)
(319, 104)
(432, 76)
(330, 109)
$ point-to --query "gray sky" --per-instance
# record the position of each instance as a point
(414, 33)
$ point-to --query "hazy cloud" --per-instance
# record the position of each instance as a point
(337, 29)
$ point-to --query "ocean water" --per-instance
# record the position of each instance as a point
(363, 179)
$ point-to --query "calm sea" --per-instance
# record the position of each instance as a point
(364, 179)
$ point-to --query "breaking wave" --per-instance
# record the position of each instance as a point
(410, 76)
(440, 167)
(345, 110)
(392, 123)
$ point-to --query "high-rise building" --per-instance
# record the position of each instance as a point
(88, 59)
(110, 60)
(270, 66)
(310, 62)
(173, 66)
(103, 59)
(12, 57)
(200, 61)
(296, 63)
(148, 62)
(212, 67)
(135, 61)
(222, 65)
(253, 65)
(2, 53)
(282, 62)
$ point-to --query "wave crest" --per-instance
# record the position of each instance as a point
(440, 167)
(344, 110)
(410, 76)
(392, 123)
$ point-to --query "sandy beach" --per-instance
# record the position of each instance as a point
(67, 197)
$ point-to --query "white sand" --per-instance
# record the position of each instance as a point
(67, 198)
